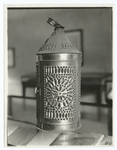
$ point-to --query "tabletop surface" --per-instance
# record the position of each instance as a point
(23, 134)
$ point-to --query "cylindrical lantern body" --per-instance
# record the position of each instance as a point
(58, 84)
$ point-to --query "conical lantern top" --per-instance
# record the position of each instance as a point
(58, 42)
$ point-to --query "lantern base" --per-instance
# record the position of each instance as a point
(59, 128)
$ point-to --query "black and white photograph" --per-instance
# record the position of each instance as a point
(60, 76)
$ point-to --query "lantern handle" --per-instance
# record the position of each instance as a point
(54, 23)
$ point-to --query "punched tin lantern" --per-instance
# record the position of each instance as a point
(58, 64)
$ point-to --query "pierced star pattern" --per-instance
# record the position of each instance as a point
(59, 92)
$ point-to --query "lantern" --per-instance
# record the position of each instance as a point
(58, 64)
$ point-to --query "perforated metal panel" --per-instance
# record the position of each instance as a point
(59, 92)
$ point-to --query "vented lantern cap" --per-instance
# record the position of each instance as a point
(58, 42)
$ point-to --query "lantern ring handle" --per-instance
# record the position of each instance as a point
(54, 23)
